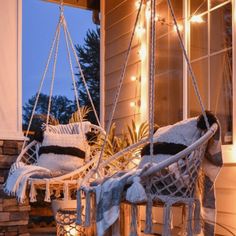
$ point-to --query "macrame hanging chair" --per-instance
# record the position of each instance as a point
(27, 173)
(170, 182)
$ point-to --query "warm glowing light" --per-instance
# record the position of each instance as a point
(142, 52)
(180, 28)
(132, 104)
(137, 4)
(133, 78)
(197, 19)
(71, 229)
(140, 31)
(148, 11)
(157, 17)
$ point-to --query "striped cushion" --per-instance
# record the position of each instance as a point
(62, 152)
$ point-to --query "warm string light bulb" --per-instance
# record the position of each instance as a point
(140, 31)
(196, 19)
(132, 104)
(148, 11)
(179, 26)
(142, 52)
(137, 4)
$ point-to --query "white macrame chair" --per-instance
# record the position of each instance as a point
(66, 183)
(161, 186)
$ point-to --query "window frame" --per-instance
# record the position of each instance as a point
(228, 150)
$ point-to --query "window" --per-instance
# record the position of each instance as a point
(210, 49)
(169, 67)
(209, 44)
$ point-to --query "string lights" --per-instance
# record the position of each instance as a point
(133, 78)
(196, 19)
(132, 104)
(142, 35)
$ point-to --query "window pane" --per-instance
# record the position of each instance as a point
(165, 20)
(198, 6)
(221, 28)
(162, 14)
(169, 80)
(217, 2)
(198, 39)
(169, 98)
(200, 69)
(221, 92)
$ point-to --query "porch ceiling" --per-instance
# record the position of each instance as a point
(84, 4)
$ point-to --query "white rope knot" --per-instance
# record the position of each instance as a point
(136, 179)
(136, 193)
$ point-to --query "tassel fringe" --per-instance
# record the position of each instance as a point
(136, 193)
(47, 197)
(33, 193)
(148, 228)
(79, 208)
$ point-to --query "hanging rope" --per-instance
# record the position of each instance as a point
(73, 79)
(196, 89)
(41, 83)
(53, 74)
(82, 74)
(152, 75)
(56, 39)
(119, 87)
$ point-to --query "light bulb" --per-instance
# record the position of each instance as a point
(148, 11)
(137, 4)
(179, 26)
(142, 52)
(132, 104)
(133, 78)
(140, 30)
(197, 19)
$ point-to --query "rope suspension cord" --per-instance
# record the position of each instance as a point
(152, 75)
(119, 87)
(41, 83)
(196, 89)
(53, 75)
(73, 77)
(82, 75)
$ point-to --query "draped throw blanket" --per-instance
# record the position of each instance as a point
(17, 180)
(212, 164)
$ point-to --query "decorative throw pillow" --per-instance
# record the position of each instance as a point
(62, 152)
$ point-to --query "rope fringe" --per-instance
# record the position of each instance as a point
(148, 228)
(136, 193)
(79, 208)
(47, 197)
(33, 193)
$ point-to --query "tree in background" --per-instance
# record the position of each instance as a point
(61, 107)
(61, 110)
(89, 56)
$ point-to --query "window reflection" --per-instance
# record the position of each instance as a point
(221, 28)
(200, 69)
(211, 55)
(199, 39)
(198, 6)
(169, 67)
